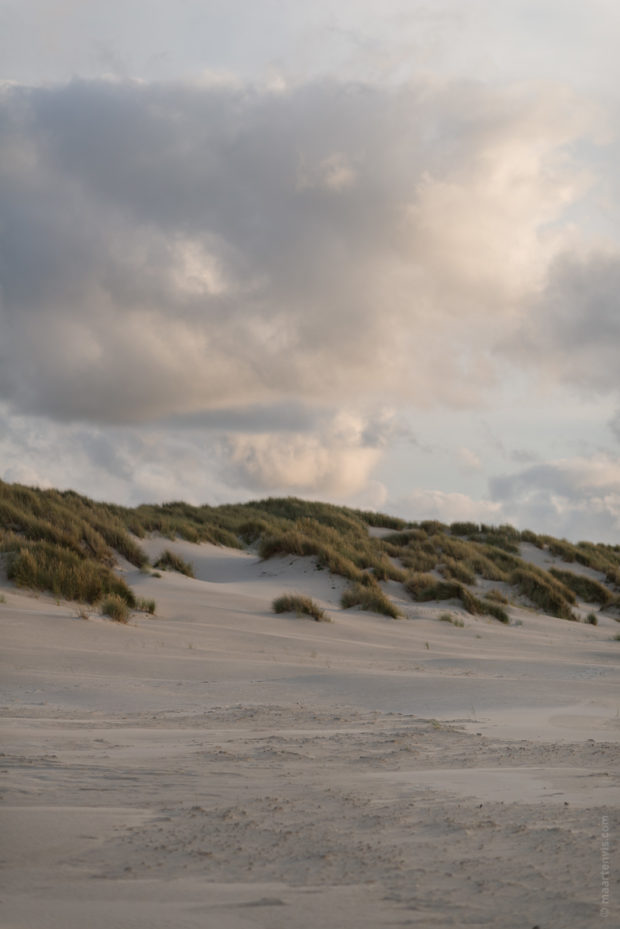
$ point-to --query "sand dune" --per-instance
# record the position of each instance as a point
(220, 766)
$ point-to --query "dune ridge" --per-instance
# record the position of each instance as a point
(218, 764)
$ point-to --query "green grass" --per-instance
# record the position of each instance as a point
(69, 545)
(425, 587)
(457, 571)
(301, 606)
(44, 566)
(169, 561)
(454, 620)
(495, 610)
(496, 595)
(369, 598)
(116, 608)
(586, 588)
(546, 592)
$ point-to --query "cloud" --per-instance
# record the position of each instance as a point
(198, 462)
(577, 498)
(337, 462)
(572, 332)
(468, 460)
(574, 498)
(447, 507)
(614, 425)
(178, 250)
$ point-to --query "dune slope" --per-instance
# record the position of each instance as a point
(219, 766)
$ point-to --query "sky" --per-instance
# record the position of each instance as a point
(358, 251)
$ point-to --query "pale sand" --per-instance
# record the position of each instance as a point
(219, 766)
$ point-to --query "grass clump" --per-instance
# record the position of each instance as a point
(116, 608)
(495, 610)
(384, 570)
(369, 597)
(586, 588)
(44, 566)
(544, 591)
(301, 606)
(423, 587)
(458, 571)
(146, 606)
(454, 620)
(169, 561)
(496, 595)
(592, 619)
(561, 548)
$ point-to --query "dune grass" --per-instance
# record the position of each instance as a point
(70, 545)
(544, 591)
(457, 571)
(426, 587)
(116, 608)
(453, 620)
(170, 561)
(301, 606)
(44, 566)
(369, 597)
(586, 588)
(496, 595)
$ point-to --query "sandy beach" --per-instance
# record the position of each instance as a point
(219, 766)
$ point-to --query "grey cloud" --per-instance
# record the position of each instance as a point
(546, 478)
(577, 498)
(128, 465)
(174, 250)
(614, 425)
(572, 331)
(285, 416)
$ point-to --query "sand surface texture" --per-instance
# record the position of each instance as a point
(219, 766)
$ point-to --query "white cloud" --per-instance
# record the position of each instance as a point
(160, 256)
(468, 459)
(337, 461)
(447, 507)
(571, 333)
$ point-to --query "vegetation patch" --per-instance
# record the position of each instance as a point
(369, 598)
(44, 566)
(489, 608)
(454, 620)
(586, 588)
(552, 598)
(116, 608)
(496, 595)
(69, 545)
(169, 561)
(301, 606)
(425, 587)
(458, 571)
